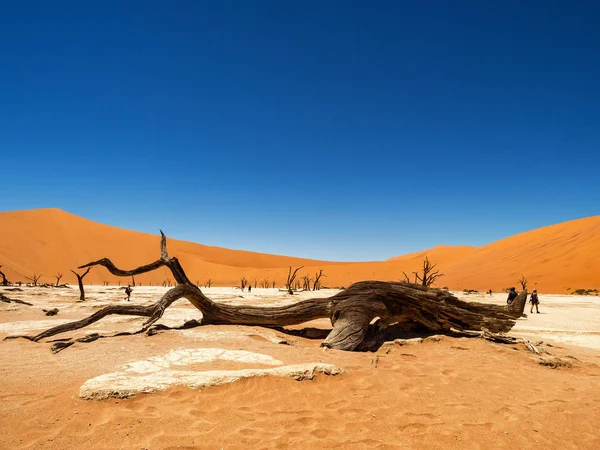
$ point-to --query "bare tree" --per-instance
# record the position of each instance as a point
(80, 282)
(523, 282)
(58, 276)
(428, 276)
(255, 283)
(265, 283)
(317, 283)
(407, 278)
(209, 283)
(35, 278)
(243, 283)
(306, 279)
(5, 282)
(290, 279)
(133, 281)
(273, 284)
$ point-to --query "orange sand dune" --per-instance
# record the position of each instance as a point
(50, 241)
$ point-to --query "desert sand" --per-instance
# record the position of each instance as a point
(555, 259)
(441, 392)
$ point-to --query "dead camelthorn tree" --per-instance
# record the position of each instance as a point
(80, 282)
(209, 283)
(274, 284)
(317, 283)
(523, 282)
(363, 316)
(265, 283)
(243, 283)
(291, 278)
(34, 278)
(407, 278)
(306, 279)
(58, 276)
(5, 282)
(133, 281)
(428, 276)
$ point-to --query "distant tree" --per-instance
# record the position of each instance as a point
(34, 278)
(265, 283)
(58, 276)
(523, 282)
(133, 281)
(306, 282)
(243, 283)
(255, 283)
(209, 283)
(428, 275)
(317, 283)
(273, 283)
(291, 278)
(80, 282)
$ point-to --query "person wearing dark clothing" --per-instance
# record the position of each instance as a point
(535, 301)
(249, 288)
(512, 294)
(128, 291)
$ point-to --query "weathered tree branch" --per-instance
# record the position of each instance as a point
(356, 313)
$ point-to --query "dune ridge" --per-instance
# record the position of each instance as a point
(556, 258)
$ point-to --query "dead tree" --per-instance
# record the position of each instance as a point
(306, 282)
(291, 278)
(317, 283)
(243, 283)
(429, 275)
(209, 283)
(361, 315)
(80, 282)
(265, 283)
(5, 282)
(5, 299)
(133, 281)
(523, 282)
(34, 279)
(58, 276)
(407, 278)
(273, 283)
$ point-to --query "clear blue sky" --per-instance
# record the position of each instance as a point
(332, 130)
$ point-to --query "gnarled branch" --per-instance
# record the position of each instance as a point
(357, 313)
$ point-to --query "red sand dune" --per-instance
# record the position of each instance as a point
(49, 241)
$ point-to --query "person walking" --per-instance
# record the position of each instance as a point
(535, 301)
(128, 291)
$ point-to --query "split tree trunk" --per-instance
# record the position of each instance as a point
(80, 282)
(358, 314)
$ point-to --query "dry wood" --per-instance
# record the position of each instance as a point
(80, 282)
(358, 314)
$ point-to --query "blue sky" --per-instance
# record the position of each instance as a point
(332, 130)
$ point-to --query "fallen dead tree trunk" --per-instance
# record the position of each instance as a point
(5, 299)
(356, 313)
